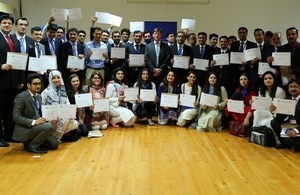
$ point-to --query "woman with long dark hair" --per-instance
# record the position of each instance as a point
(210, 116)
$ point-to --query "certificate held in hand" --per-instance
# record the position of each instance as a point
(169, 100)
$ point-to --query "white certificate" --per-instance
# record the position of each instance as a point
(49, 112)
(18, 61)
(37, 65)
(59, 14)
(188, 24)
(75, 13)
(221, 59)
(208, 100)
(261, 103)
(285, 106)
(200, 64)
(66, 111)
(101, 105)
(117, 52)
(236, 106)
(103, 17)
(236, 57)
(251, 54)
(83, 100)
(169, 100)
(50, 61)
(75, 62)
(148, 95)
(131, 93)
(136, 60)
(137, 26)
(98, 53)
(181, 62)
(264, 67)
(187, 100)
(281, 58)
(116, 20)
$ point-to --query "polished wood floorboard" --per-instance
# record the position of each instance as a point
(158, 160)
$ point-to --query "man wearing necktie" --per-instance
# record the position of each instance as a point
(136, 47)
(292, 122)
(31, 128)
(180, 49)
(11, 80)
(157, 57)
(71, 48)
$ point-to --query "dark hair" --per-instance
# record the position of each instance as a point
(195, 84)
(52, 27)
(32, 76)
(62, 28)
(125, 30)
(157, 30)
(238, 93)
(217, 87)
(223, 37)
(146, 31)
(263, 88)
(291, 28)
(184, 35)
(106, 31)
(70, 88)
(213, 35)
(98, 73)
(259, 29)
(73, 30)
(294, 80)
(97, 28)
(232, 37)
(82, 31)
(115, 73)
(269, 34)
(116, 31)
(169, 33)
(16, 23)
(140, 81)
(189, 35)
(243, 28)
(137, 31)
(6, 17)
(175, 83)
(35, 28)
(202, 33)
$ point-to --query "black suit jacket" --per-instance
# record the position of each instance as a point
(282, 117)
(209, 51)
(131, 50)
(187, 50)
(12, 78)
(45, 42)
(235, 46)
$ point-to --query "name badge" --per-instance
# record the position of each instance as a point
(293, 121)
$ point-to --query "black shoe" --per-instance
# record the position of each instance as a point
(3, 143)
(36, 150)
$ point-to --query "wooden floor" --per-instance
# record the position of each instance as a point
(158, 160)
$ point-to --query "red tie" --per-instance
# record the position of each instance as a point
(10, 43)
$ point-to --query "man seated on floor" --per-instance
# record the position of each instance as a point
(288, 123)
(30, 127)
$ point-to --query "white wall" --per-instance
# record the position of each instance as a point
(220, 16)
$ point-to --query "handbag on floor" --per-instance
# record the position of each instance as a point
(262, 135)
(238, 129)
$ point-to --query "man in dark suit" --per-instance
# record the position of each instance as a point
(240, 46)
(282, 120)
(136, 47)
(20, 34)
(181, 49)
(71, 48)
(157, 57)
(213, 40)
(114, 62)
(225, 72)
(202, 51)
(51, 43)
(266, 50)
(31, 128)
(10, 80)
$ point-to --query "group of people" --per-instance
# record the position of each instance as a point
(108, 77)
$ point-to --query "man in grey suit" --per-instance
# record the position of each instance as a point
(157, 57)
(30, 127)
